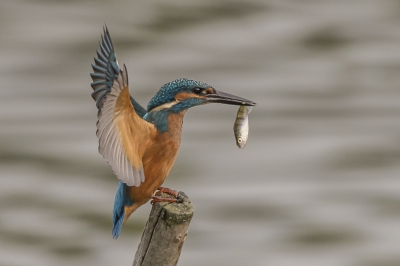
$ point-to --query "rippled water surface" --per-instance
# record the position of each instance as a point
(317, 184)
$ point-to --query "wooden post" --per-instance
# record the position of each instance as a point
(165, 233)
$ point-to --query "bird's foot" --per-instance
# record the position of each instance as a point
(157, 196)
(161, 190)
(155, 199)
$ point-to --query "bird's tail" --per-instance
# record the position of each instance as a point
(121, 200)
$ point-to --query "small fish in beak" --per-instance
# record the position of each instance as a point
(241, 126)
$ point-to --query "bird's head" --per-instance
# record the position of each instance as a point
(181, 94)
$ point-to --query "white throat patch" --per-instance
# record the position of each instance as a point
(165, 106)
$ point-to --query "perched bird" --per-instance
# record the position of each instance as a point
(141, 145)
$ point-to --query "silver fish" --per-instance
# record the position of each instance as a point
(241, 126)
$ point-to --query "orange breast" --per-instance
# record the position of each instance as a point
(158, 159)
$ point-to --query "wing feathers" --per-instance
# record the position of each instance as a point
(121, 131)
(122, 134)
(96, 83)
(107, 37)
(101, 56)
(105, 69)
(103, 50)
(100, 63)
(97, 76)
(98, 68)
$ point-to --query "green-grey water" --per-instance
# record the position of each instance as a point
(317, 184)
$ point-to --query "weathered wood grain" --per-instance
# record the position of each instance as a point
(165, 233)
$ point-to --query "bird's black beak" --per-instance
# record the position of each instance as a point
(226, 98)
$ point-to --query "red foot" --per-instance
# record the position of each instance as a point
(157, 196)
(161, 190)
(161, 199)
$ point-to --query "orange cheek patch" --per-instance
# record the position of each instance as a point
(184, 95)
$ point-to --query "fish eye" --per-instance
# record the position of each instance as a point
(197, 90)
(239, 140)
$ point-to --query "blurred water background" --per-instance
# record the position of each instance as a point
(317, 184)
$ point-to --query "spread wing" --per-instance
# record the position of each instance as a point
(106, 69)
(123, 135)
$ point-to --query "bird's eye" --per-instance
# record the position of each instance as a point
(197, 90)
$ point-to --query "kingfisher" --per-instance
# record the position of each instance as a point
(139, 144)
